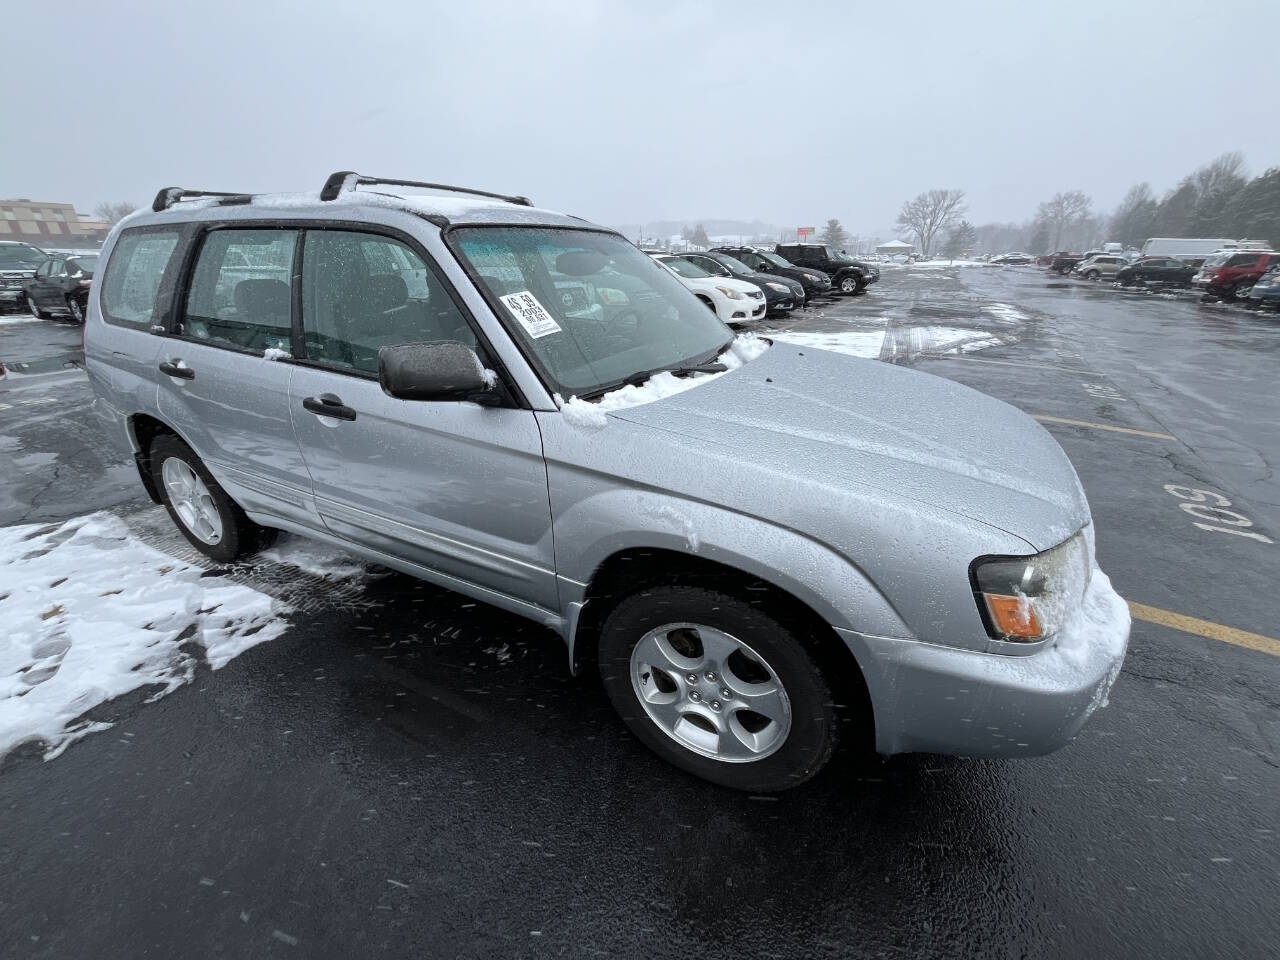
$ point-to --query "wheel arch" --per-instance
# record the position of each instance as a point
(143, 429)
(629, 570)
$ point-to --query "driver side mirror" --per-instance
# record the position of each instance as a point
(440, 370)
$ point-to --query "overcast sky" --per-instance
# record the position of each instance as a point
(628, 112)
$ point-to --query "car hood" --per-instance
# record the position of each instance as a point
(757, 277)
(842, 423)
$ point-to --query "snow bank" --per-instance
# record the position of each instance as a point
(592, 414)
(854, 343)
(1096, 636)
(1002, 311)
(91, 613)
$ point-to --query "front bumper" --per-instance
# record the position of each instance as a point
(11, 294)
(935, 699)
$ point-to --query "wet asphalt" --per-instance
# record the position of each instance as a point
(408, 773)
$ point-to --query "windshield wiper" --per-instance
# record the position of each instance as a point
(639, 378)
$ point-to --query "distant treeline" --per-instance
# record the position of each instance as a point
(1217, 200)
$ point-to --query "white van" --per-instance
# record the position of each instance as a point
(1191, 249)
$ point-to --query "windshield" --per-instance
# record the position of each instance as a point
(21, 255)
(685, 268)
(589, 308)
(733, 265)
(773, 258)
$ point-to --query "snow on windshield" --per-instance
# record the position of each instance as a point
(591, 415)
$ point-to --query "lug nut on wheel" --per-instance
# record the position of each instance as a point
(695, 695)
(692, 678)
(725, 693)
(715, 704)
(711, 677)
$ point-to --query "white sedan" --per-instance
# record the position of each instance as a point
(734, 301)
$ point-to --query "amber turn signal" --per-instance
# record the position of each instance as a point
(1013, 617)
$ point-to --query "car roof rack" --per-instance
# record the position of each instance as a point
(168, 196)
(347, 180)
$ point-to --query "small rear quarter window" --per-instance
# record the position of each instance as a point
(135, 272)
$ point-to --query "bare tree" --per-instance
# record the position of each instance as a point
(929, 214)
(114, 211)
(1064, 211)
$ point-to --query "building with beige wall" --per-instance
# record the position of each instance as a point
(49, 224)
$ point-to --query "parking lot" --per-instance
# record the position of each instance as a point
(402, 771)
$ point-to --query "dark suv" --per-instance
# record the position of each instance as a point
(847, 274)
(18, 263)
(815, 282)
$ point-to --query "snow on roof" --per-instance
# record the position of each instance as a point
(894, 245)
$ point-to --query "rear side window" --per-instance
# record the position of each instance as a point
(132, 283)
(240, 293)
(362, 292)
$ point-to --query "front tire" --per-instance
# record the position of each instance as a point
(211, 521)
(1092, 275)
(848, 285)
(35, 311)
(718, 688)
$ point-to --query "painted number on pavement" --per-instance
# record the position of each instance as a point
(1211, 507)
(1103, 391)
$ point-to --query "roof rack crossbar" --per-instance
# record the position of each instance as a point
(168, 196)
(345, 180)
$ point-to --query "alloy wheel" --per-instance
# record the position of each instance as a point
(192, 501)
(710, 692)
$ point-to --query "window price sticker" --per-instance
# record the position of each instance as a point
(531, 314)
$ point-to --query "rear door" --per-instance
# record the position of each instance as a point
(224, 373)
(454, 487)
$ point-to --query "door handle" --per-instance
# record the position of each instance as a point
(171, 369)
(329, 405)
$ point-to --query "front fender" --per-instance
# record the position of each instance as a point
(590, 530)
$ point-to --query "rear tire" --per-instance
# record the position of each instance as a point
(703, 725)
(73, 308)
(211, 521)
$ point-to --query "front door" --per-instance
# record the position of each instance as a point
(224, 376)
(455, 487)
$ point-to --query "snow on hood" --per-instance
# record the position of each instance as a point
(592, 414)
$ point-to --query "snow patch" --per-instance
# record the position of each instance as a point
(275, 353)
(1002, 311)
(592, 414)
(91, 613)
(313, 557)
(853, 343)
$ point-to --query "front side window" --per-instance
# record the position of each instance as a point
(588, 308)
(362, 292)
(733, 264)
(1243, 260)
(43, 269)
(240, 293)
(713, 267)
(134, 274)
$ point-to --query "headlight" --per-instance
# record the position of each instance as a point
(731, 293)
(812, 279)
(779, 287)
(1027, 599)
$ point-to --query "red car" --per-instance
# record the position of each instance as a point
(1230, 275)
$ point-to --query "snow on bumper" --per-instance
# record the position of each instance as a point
(936, 699)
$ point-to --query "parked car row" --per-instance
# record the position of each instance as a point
(46, 284)
(742, 283)
(1265, 293)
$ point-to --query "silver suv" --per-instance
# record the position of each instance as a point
(760, 546)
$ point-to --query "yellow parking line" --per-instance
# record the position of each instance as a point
(1103, 426)
(1205, 628)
